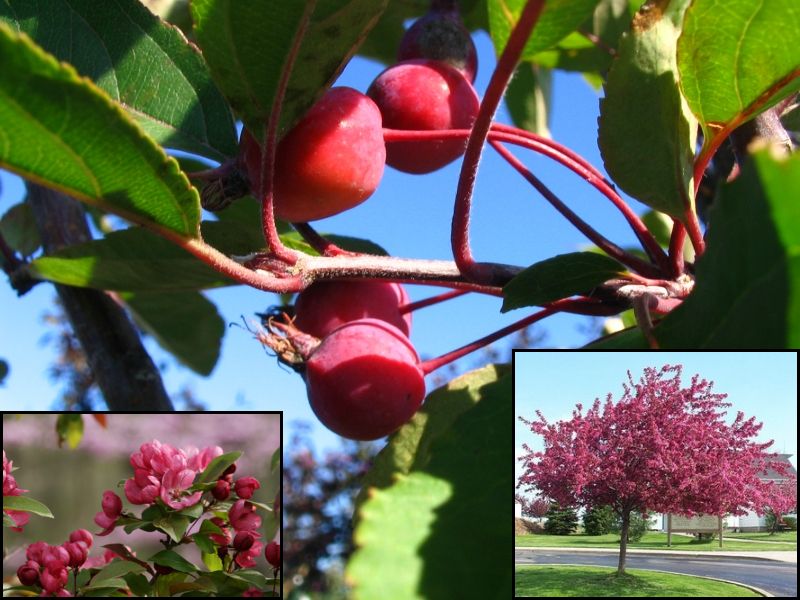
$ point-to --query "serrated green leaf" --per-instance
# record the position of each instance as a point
(737, 59)
(69, 428)
(246, 46)
(63, 132)
(173, 525)
(19, 229)
(141, 62)
(747, 293)
(528, 98)
(646, 130)
(135, 260)
(26, 504)
(557, 19)
(170, 558)
(412, 540)
(186, 324)
(217, 466)
(559, 277)
(408, 448)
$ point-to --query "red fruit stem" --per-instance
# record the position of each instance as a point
(676, 242)
(599, 240)
(459, 233)
(412, 306)
(694, 231)
(320, 243)
(266, 184)
(581, 305)
(562, 155)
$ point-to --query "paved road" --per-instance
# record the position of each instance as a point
(779, 579)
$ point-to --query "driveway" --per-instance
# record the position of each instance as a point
(779, 579)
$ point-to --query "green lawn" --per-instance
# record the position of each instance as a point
(651, 540)
(781, 536)
(559, 580)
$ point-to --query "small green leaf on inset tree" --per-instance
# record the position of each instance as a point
(748, 281)
(116, 568)
(174, 525)
(26, 504)
(94, 151)
(736, 59)
(18, 227)
(212, 561)
(557, 19)
(143, 63)
(559, 277)
(646, 131)
(69, 428)
(217, 466)
(170, 558)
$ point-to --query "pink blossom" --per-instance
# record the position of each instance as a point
(81, 535)
(107, 523)
(143, 488)
(221, 490)
(53, 579)
(246, 486)
(273, 554)
(10, 488)
(28, 574)
(111, 504)
(243, 517)
(35, 551)
(199, 460)
(246, 558)
(78, 553)
(174, 488)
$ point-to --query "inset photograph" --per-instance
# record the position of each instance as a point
(655, 474)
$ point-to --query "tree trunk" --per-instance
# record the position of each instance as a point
(623, 543)
(121, 366)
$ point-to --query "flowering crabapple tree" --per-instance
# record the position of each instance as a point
(533, 507)
(110, 126)
(180, 489)
(662, 447)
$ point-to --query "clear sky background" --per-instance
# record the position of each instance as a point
(760, 384)
(409, 216)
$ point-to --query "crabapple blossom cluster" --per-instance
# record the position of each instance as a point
(47, 565)
(10, 488)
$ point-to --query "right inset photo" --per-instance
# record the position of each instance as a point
(655, 474)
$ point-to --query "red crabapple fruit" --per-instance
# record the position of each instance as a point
(424, 95)
(329, 162)
(364, 380)
(326, 305)
(440, 35)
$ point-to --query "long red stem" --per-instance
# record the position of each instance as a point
(266, 184)
(581, 305)
(459, 233)
(412, 306)
(676, 242)
(602, 242)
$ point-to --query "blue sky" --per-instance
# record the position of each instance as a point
(409, 216)
(763, 384)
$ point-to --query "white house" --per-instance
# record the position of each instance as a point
(517, 510)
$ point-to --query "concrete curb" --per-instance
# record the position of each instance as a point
(744, 585)
(790, 558)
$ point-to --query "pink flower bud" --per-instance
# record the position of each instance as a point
(246, 486)
(53, 579)
(81, 535)
(112, 504)
(78, 553)
(55, 557)
(106, 522)
(230, 470)
(243, 517)
(252, 593)
(273, 554)
(222, 490)
(243, 540)
(35, 550)
(28, 574)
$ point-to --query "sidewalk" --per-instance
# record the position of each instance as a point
(789, 557)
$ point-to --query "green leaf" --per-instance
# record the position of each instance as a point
(412, 539)
(26, 504)
(204, 543)
(109, 584)
(212, 561)
(170, 558)
(4, 369)
(528, 98)
(186, 324)
(217, 466)
(93, 151)
(141, 62)
(738, 58)
(409, 447)
(747, 293)
(558, 19)
(116, 568)
(8, 521)
(247, 44)
(19, 229)
(122, 551)
(70, 429)
(174, 525)
(646, 130)
(138, 584)
(133, 259)
(660, 225)
(559, 277)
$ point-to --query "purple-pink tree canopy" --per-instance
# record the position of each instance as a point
(662, 447)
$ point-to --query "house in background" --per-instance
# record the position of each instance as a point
(749, 522)
(517, 510)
